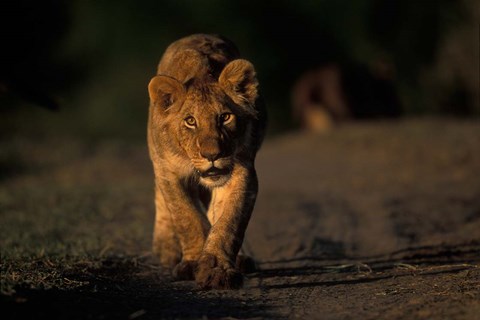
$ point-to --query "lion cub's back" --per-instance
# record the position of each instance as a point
(216, 52)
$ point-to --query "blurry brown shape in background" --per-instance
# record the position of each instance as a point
(328, 95)
(318, 99)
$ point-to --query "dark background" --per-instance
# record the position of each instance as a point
(92, 60)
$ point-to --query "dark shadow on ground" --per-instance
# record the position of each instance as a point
(122, 289)
(119, 287)
(367, 279)
(425, 256)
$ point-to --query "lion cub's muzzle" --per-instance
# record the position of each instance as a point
(213, 173)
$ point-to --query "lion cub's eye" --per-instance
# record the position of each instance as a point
(226, 118)
(190, 122)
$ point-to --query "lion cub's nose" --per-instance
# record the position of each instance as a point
(210, 155)
(210, 150)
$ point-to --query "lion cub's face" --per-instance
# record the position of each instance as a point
(208, 132)
(207, 117)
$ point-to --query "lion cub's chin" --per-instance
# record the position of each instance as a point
(215, 181)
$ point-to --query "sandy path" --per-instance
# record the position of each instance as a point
(367, 189)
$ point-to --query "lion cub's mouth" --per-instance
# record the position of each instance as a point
(215, 173)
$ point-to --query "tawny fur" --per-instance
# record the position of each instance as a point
(206, 124)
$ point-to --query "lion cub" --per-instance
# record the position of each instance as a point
(206, 124)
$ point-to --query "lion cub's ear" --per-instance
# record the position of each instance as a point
(165, 91)
(239, 81)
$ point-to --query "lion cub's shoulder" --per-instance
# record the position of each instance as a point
(196, 56)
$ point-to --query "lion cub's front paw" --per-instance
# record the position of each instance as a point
(185, 270)
(211, 274)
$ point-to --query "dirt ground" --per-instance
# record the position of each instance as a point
(371, 221)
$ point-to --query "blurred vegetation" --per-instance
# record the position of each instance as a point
(94, 58)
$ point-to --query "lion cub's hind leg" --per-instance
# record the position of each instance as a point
(185, 270)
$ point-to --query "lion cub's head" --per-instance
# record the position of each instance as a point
(206, 121)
